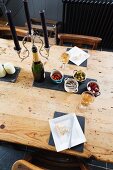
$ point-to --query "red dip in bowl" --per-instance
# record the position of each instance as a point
(56, 76)
(94, 88)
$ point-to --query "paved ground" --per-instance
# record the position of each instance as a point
(9, 154)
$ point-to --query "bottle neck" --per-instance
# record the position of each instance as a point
(36, 57)
(35, 54)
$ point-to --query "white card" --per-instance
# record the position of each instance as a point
(77, 56)
(66, 132)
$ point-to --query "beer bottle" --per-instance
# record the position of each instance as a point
(37, 66)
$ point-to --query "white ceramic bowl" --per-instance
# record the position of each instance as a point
(70, 85)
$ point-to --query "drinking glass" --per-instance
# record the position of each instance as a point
(64, 58)
(87, 98)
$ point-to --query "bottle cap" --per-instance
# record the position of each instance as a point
(34, 49)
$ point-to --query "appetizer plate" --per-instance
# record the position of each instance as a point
(66, 132)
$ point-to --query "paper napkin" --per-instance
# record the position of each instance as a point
(66, 132)
(77, 56)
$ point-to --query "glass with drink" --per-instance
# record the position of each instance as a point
(64, 58)
(87, 98)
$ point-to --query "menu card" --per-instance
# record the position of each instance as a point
(66, 132)
(77, 56)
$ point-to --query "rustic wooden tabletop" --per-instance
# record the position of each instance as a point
(25, 110)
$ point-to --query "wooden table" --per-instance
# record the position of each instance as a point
(25, 110)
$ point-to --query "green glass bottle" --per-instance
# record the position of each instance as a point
(37, 66)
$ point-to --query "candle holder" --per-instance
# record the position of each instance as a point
(32, 37)
(31, 33)
(36, 34)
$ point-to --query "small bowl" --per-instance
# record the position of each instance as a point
(93, 87)
(70, 85)
(56, 76)
(79, 75)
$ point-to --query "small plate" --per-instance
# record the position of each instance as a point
(66, 132)
(77, 56)
(11, 77)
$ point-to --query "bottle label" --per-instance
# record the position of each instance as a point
(36, 57)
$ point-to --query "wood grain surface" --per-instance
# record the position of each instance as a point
(25, 110)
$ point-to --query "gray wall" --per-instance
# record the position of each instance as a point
(53, 9)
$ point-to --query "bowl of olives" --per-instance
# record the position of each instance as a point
(79, 75)
(93, 87)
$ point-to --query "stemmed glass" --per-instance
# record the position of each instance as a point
(87, 98)
(64, 58)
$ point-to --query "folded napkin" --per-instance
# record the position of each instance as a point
(77, 56)
(66, 132)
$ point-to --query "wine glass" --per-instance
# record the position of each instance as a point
(64, 58)
(87, 98)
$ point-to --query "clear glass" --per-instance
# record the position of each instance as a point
(64, 58)
(87, 98)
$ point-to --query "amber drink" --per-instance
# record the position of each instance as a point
(64, 58)
(87, 98)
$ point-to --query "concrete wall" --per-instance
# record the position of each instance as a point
(53, 9)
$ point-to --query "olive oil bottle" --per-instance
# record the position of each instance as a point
(37, 66)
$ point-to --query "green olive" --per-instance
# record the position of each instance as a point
(79, 75)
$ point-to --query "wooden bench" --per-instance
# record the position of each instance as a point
(24, 165)
(79, 40)
(51, 25)
(5, 31)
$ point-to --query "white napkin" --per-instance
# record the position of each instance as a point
(66, 132)
(77, 56)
